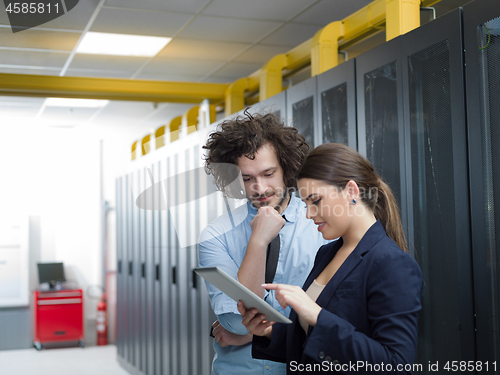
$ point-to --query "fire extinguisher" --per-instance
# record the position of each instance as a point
(102, 322)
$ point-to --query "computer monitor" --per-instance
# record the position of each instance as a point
(52, 273)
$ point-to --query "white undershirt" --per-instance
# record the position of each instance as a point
(313, 291)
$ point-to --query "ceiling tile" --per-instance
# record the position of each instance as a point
(327, 11)
(42, 59)
(235, 71)
(227, 29)
(38, 38)
(261, 54)
(67, 116)
(187, 6)
(95, 73)
(170, 66)
(180, 48)
(31, 70)
(107, 62)
(169, 77)
(291, 35)
(124, 21)
(276, 10)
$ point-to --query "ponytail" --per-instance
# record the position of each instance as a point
(386, 210)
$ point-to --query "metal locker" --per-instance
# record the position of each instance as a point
(301, 101)
(159, 208)
(336, 108)
(379, 90)
(480, 30)
(438, 194)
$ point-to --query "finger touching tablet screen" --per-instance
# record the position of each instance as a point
(238, 292)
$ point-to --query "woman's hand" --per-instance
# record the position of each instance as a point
(254, 323)
(296, 297)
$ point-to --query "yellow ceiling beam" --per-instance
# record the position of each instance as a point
(402, 16)
(110, 89)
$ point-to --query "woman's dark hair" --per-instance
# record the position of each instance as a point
(337, 164)
(245, 135)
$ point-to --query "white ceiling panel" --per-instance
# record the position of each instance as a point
(128, 111)
(95, 73)
(235, 71)
(275, 10)
(327, 11)
(227, 29)
(260, 53)
(107, 62)
(37, 70)
(169, 77)
(183, 6)
(67, 116)
(182, 67)
(291, 35)
(193, 49)
(39, 39)
(124, 21)
(42, 59)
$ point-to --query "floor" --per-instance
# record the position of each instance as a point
(94, 360)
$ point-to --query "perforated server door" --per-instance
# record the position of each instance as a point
(275, 105)
(336, 109)
(379, 92)
(438, 187)
(482, 56)
(301, 101)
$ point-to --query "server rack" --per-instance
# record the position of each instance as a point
(336, 105)
(379, 93)
(301, 101)
(481, 44)
(149, 270)
(436, 163)
(157, 259)
(119, 274)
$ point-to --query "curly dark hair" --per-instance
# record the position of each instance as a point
(245, 135)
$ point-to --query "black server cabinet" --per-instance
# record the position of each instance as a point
(275, 105)
(379, 92)
(482, 55)
(438, 194)
(301, 101)
(336, 109)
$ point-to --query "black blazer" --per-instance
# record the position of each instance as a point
(370, 314)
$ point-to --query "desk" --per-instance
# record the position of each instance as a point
(58, 317)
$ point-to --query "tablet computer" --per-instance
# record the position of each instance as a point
(239, 292)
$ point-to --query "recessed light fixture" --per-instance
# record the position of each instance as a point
(121, 44)
(74, 103)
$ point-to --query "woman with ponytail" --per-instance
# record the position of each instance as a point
(358, 309)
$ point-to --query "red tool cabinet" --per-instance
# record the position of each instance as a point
(58, 317)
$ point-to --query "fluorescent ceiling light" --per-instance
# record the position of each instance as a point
(121, 44)
(74, 103)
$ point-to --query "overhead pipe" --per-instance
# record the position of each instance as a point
(145, 145)
(175, 128)
(134, 147)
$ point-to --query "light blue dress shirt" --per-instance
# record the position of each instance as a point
(223, 244)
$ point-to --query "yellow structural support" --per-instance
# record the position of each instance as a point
(271, 78)
(325, 48)
(402, 16)
(175, 128)
(145, 144)
(110, 89)
(160, 137)
(190, 119)
(235, 96)
(134, 148)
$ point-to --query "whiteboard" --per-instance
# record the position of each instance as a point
(14, 264)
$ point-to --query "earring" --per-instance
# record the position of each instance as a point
(353, 202)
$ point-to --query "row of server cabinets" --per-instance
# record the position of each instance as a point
(424, 108)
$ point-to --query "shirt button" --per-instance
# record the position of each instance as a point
(328, 358)
(321, 355)
(267, 367)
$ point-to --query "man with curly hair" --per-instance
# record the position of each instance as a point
(268, 155)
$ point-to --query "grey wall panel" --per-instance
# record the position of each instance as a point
(301, 101)
(481, 36)
(336, 105)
